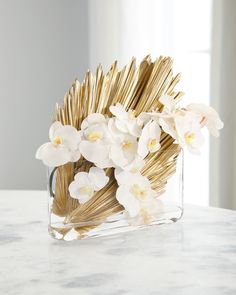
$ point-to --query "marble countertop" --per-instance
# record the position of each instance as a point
(195, 256)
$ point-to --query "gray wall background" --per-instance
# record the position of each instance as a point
(223, 93)
(43, 48)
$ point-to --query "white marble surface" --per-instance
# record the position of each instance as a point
(195, 256)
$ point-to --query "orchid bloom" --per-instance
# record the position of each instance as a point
(167, 116)
(189, 132)
(136, 165)
(169, 104)
(134, 192)
(150, 211)
(165, 119)
(94, 146)
(125, 121)
(208, 117)
(63, 146)
(149, 141)
(144, 117)
(85, 184)
(123, 150)
(168, 110)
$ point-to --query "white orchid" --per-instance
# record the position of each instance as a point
(123, 150)
(208, 117)
(63, 146)
(95, 144)
(169, 108)
(189, 132)
(169, 104)
(136, 165)
(125, 121)
(166, 118)
(149, 141)
(149, 212)
(145, 117)
(85, 184)
(106, 146)
(134, 192)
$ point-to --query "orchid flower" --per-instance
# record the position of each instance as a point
(189, 132)
(125, 121)
(85, 184)
(150, 211)
(63, 146)
(208, 117)
(134, 192)
(149, 141)
(169, 104)
(168, 111)
(123, 150)
(167, 116)
(94, 146)
(136, 165)
(144, 117)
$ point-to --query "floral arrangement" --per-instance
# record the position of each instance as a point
(104, 151)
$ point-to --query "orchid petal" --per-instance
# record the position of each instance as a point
(135, 166)
(150, 132)
(144, 118)
(82, 177)
(75, 156)
(69, 135)
(123, 153)
(121, 176)
(105, 163)
(168, 102)
(117, 156)
(133, 128)
(142, 148)
(94, 118)
(213, 121)
(53, 156)
(168, 126)
(118, 111)
(121, 125)
(116, 134)
(98, 177)
(54, 127)
(94, 151)
(189, 125)
(126, 199)
(81, 188)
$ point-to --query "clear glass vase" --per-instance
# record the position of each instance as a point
(68, 220)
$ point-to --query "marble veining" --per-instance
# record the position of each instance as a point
(196, 255)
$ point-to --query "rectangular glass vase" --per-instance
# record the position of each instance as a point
(69, 220)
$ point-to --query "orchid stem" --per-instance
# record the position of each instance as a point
(52, 194)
